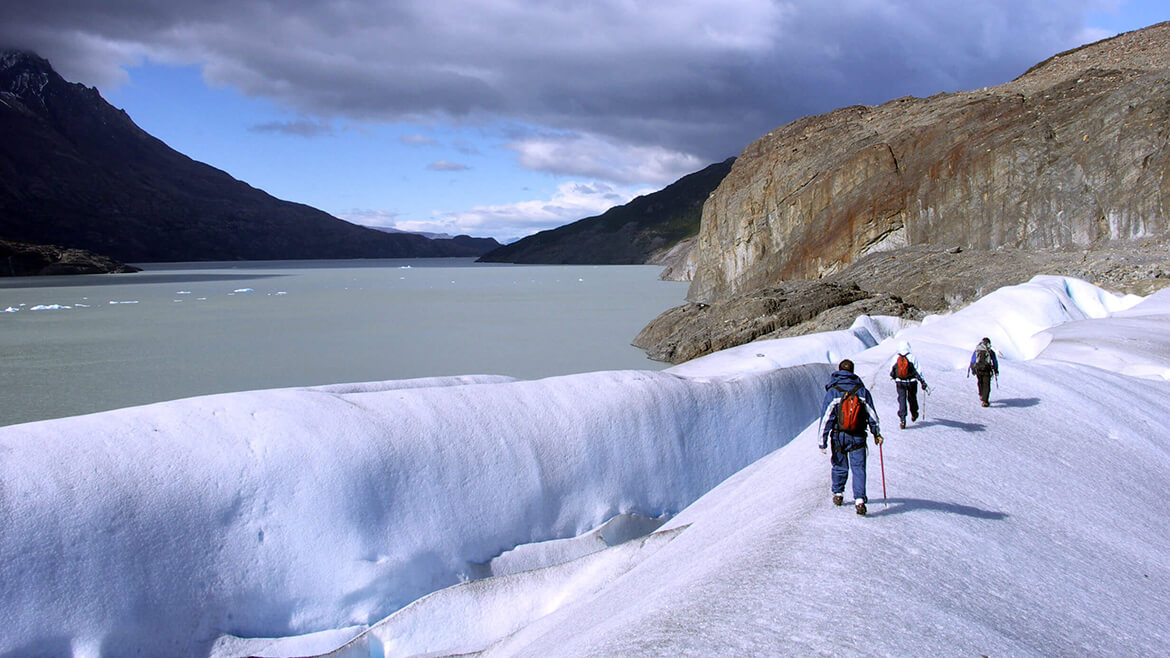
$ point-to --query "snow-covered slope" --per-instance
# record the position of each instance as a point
(298, 510)
(1034, 526)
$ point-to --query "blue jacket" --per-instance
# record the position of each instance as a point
(841, 382)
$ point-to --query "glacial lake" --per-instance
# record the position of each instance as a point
(71, 345)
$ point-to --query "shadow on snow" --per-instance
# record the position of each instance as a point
(903, 505)
(946, 422)
(1016, 402)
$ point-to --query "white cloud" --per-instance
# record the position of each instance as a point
(1091, 34)
(570, 202)
(596, 157)
(373, 218)
(298, 127)
(417, 140)
(447, 165)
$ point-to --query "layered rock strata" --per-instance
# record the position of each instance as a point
(1071, 154)
(922, 205)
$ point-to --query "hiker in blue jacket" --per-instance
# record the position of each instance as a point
(985, 365)
(848, 444)
(906, 375)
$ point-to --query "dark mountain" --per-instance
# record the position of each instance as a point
(76, 172)
(626, 234)
(473, 246)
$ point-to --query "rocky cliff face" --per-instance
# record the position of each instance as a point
(76, 172)
(1071, 154)
(923, 205)
(908, 282)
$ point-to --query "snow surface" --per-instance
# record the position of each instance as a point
(482, 513)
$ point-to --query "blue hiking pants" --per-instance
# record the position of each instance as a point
(843, 462)
(907, 395)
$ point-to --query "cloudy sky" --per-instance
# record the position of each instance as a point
(503, 117)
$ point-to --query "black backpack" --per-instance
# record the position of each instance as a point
(983, 361)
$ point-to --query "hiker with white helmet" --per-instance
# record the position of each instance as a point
(906, 375)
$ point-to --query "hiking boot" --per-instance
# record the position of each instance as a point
(838, 499)
(986, 403)
(913, 416)
(902, 424)
(860, 508)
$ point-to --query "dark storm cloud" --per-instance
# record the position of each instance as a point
(693, 78)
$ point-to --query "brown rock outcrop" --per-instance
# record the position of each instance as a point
(908, 282)
(23, 259)
(1072, 154)
(695, 329)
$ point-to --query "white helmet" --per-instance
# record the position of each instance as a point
(904, 347)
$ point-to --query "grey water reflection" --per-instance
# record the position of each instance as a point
(178, 330)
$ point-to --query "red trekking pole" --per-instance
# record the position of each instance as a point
(882, 459)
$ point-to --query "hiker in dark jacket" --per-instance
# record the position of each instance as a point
(906, 375)
(848, 446)
(985, 365)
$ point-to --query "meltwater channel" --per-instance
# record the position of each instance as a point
(81, 344)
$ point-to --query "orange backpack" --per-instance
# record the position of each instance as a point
(904, 367)
(850, 416)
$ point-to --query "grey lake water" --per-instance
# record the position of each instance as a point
(79, 344)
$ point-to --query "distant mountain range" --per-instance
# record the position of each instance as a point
(78, 173)
(632, 233)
